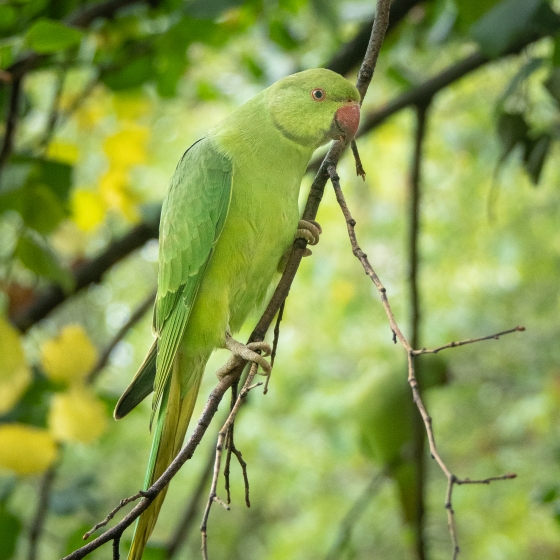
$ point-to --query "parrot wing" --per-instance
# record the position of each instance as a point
(193, 216)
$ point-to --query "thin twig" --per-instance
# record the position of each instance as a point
(494, 336)
(41, 511)
(229, 441)
(213, 497)
(397, 333)
(149, 495)
(139, 312)
(112, 513)
(274, 344)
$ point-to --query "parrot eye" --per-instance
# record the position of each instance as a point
(318, 94)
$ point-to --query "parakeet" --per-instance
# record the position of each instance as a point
(390, 426)
(230, 215)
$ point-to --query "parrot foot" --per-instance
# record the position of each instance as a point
(309, 230)
(241, 352)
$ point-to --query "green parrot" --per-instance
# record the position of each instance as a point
(389, 426)
(229, 218)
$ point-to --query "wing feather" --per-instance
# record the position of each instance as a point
(193, 216)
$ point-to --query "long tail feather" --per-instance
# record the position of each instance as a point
(174, 415)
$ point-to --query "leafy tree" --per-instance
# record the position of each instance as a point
(458, 214)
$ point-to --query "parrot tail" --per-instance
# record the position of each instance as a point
(173, 420)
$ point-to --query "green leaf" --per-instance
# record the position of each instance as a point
(38, 189)
(512, 130)
(511, 21)
(468, 11)
(8, 17)
(536, 152)
(132, 74)
(47, 36)
(41, 209)
(524, 72)
(37, 256)
(281, 35)
(10, 527)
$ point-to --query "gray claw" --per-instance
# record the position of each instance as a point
(241, 352)
(309, 230)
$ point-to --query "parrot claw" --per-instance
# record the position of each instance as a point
(309, 230)
(241, 352)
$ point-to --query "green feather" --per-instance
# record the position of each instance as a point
(230, 214)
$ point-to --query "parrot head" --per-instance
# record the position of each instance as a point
(314, 106)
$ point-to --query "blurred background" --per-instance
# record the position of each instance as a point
(99, 101)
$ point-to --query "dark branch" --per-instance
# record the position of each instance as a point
(90, 273)
(352, 53)
(41, 511)
(419, 433)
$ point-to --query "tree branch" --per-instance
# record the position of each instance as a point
(353, 52)
(41, 511)
(452, 480)
(419, 433)
(89, 273)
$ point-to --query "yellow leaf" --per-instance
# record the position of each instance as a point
(127, 147)
(63, 151)
(114, 186)
(26, 449)
(129, 105)
(70, 356)
(88, 209)
(77, 415)
(15, 374)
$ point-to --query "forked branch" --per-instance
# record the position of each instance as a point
(452, 480)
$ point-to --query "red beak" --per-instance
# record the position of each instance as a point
(348, 119)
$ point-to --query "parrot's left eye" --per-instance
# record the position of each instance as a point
(318, 94)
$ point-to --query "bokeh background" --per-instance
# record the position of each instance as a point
(100, 100)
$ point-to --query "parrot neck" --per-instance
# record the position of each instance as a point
(250, 132)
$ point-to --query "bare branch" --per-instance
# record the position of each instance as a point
(494, 336)
(149, 495)
(398, 335)
(213, 497)
(89, 273)
(419, 433)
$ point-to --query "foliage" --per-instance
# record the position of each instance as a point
(105, 108)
